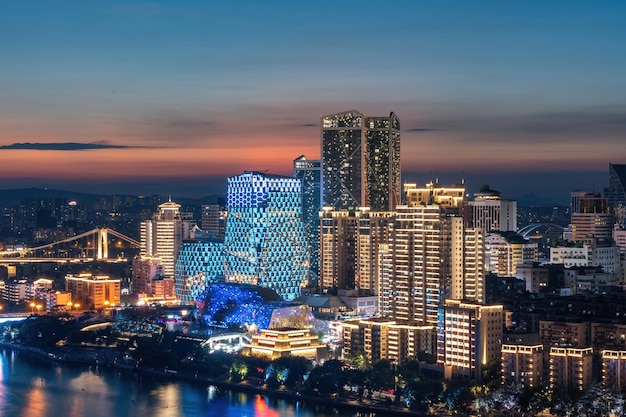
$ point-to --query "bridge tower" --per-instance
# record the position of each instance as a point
(103, 245)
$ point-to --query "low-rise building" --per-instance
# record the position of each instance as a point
(570, 368)
(522, 365)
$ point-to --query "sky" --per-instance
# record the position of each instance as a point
(172, 97)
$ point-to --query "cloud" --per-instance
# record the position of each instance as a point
(419, 129)
(62, 146)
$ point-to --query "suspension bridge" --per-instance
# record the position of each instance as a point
(83, 247)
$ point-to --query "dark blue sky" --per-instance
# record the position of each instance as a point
(176, 95)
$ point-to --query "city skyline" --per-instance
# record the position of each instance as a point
(147, 97)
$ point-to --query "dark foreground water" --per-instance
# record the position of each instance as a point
(33, 387)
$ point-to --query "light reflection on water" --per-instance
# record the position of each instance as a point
(32, 387)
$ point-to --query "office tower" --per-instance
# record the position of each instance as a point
(522, 365)
(162, 236)
(360, 161)
(214, 220)
(309, 172)
(570, 368)
(491, 212)
(434, 193)
(200, 262)
(468, 337)
(265, 242)
(593, 221)
(617, 186)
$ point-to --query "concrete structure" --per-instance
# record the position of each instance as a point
(505, 251)
(468, 337)
(614, 369)
(428, 252)
(535, 276)
(434, 193)
(570, 368)
(97, 291)
(265, 242)
(490, 212)
(380, 338)
(522, 365)
(563, 334)
(360, 161)
(351, 242)
(162, 236)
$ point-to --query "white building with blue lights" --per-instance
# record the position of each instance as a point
(265, 242)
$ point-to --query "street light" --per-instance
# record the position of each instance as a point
(39, 307)
(32, 307)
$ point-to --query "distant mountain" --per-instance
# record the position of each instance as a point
(15, 196)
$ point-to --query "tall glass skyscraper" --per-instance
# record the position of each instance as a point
(265, 242)
(360, 161)
(309, 172)
(617, 188)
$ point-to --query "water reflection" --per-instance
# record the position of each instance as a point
(31, 387)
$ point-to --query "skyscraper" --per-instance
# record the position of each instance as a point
(490, 211)
(309, 172)
(265, 242)
(617, 186)
(162, 236)
(360, 161)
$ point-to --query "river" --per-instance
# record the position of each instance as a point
(34, 387)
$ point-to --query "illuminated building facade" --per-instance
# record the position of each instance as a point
(276, 343)
(380, 338)
(199, 263)
(614, 369)
(434, 193)
(490, 212)
(570, 368)
(309, 172)
(145, 270)
(94, 291)
(350, 245)
(162, 236)
(505, 251)
(265, 242)
(252, 306)
(522, 365)
(360, 161)
(432, 256)
(468, 336)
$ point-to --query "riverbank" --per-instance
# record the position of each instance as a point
(108, 358)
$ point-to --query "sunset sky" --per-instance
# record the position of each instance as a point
(172, 97)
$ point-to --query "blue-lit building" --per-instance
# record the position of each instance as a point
(199, 263)
(309, 172)
(617, 186)
(252, 306)
(265, 242)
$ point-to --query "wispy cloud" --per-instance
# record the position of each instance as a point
(419, 129)
(62, 146)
